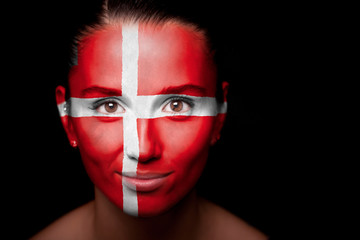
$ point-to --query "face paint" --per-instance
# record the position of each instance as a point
(143, 111)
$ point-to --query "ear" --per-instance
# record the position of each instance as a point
(64, 108)
(220, 118)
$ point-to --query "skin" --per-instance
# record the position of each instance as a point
(179, 61)
(173, 209)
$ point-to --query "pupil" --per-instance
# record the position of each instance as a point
(176, 106)
(111, 107)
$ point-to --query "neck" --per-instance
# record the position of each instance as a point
(178, 223)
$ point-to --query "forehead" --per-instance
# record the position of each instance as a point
(166, 55)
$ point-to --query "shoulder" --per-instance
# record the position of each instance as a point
(73, 225)
(221, 224)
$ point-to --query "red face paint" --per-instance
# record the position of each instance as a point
(172, 57)
(146, 155)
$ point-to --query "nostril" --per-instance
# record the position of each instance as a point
(132, 158)
(148, 158)
(132, 152)
(145, 152)
(149, 151)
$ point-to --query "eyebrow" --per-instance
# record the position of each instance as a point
(96, 91)
(184, 89)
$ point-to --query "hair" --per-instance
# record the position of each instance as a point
(186, 13)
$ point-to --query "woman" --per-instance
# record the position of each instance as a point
(143, 104)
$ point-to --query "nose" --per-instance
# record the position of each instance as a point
(144, 145)
(149, 146)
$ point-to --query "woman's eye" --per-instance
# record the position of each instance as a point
(110, 107)
(177, 106)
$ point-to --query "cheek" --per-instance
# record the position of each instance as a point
(185, 146)
(186, 142)
(101, 149)
(188, 150)
(99, 140)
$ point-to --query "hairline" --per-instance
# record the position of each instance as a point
(121, 21)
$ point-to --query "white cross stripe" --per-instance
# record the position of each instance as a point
(144, 107)
(130, 57)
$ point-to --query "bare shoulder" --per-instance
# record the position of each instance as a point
(221, 224)
(73, 225)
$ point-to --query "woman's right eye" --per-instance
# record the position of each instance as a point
(110, 107)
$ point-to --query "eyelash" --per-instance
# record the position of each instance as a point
(179, 98)
(100, 102)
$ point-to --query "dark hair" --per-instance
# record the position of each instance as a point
(196, 15)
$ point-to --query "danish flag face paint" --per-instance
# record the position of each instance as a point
(143, 112)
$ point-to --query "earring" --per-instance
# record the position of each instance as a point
(66, 107)
(73, 143)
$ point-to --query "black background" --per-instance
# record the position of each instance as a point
(251, 171)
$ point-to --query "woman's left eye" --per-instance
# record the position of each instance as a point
(177, 106)
(110, 107)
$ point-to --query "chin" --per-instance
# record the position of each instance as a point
(157, 204)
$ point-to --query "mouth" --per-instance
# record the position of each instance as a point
(144, 182)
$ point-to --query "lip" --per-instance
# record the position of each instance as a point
(144, 182)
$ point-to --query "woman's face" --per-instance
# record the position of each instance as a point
(143, 113)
